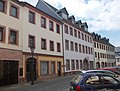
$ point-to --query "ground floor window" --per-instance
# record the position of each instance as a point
(53, 67)
(77, 64)
(73, 64)
(67, 64)
(44, 68)
(80, 64)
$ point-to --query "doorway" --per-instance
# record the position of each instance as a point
(8, 72)
(30, 65)
(59, 68)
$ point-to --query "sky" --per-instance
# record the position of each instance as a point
(102, 16)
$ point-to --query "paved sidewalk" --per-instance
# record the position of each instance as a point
(57, 84)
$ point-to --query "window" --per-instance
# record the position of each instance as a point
(108, 80)
(71, 46)
(79, 47)
(51, 25)
(67, 64)
(53, 67)
(83, 48)
(76, 47)
(51, 46)
(85, 37)
(2, 34)
(82, 36)
(58, 28)
(73, 64)
(31, 17)
(43, 44)
(14, 11)
(86, 50)
(95, 44)
(2, 6)
(75, 32)
(31, 41)
(77, 64)
(79, 34)
(43, 22)
(88, 39)
(89, 50)
(58, 47)
(44, 68)
(71, 31)
(81, 64)
(13, 37)
(66, 29)
(66, 45)
(93, 80)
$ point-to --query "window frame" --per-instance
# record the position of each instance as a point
(66, 29)
(58, 28)
(3, 33)
(51, 25)
(29, 40)
(51, 45)
(45, 44)
(66, 44)
(17, 36)
(17, 10)
(44, 21)
(4, 6)
(58, 47)
(34, 16)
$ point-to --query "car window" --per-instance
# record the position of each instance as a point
(93, 80)
(108, 80)
(76, 79)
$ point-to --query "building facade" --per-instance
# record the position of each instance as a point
(21, 26)
(117, 56)
(77, 41)
(10, 42)
(78, 44)
(103, 51)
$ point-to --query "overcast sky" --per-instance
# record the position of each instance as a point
(102, 16)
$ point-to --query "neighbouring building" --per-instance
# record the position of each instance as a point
(21, 25)
(11, 36)
(77, 41)
(45, 33)
(117, 56)
(103, 51)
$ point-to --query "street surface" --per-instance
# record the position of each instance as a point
(56, 84)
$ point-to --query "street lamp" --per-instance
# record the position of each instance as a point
(32, 48)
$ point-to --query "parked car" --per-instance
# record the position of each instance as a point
(101, 71)
(94, 82)
(113, 69)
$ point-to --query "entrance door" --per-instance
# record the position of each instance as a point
(59, 68)
(9, 72)
(30, 65)
(85, 64)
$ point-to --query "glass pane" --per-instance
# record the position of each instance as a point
(1, 6)
(31, 17)
(1, 33)
(44, 68)
(14, 11)
(13, 37)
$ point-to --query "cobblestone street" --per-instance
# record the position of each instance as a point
(57, 84)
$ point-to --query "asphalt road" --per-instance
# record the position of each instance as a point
(56, 84)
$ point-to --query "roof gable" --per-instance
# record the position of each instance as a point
(43, 6)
